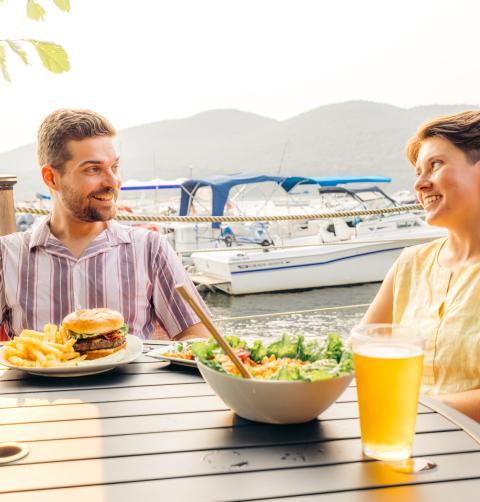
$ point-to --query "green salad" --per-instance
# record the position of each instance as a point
(289, 358)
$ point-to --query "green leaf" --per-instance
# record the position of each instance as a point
(258, 351)
(17, 49)
(3, 61)
(334, 347)
(287, 346)
(35, 11)
(53, 56)
(63, 5)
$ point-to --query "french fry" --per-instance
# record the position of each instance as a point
(19, 361)
(38, 355)
(62, 333)
(35, 349)
(46, 348)
(71, 362)
(30, 333)
(13, 351)
(69, 344)
(51, 332)
(48, 363)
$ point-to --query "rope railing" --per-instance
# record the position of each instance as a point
(293, 312)
(233, 219)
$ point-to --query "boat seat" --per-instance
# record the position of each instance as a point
(336, 231)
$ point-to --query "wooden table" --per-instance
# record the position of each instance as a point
(151, 433)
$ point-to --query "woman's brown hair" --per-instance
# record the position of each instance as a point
(461, 129)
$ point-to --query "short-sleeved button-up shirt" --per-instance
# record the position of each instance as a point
(127, 269)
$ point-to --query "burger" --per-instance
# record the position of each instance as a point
(98, 332)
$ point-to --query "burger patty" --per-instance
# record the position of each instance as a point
(98, 342)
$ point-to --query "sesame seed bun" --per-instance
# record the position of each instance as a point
(93, 321)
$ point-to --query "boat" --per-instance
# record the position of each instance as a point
(218, 196)
(337, 252)
(247, 194)
(157, 196)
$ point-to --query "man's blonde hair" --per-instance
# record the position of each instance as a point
(64, 125)
(461, 129)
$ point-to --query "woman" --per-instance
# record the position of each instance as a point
(436, 286)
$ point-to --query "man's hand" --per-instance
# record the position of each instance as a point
(196, 331)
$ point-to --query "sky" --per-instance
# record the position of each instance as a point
(139, 61)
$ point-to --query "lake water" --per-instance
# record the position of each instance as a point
(317, 323)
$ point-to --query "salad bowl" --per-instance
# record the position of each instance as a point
(275, 401)
(287, 397)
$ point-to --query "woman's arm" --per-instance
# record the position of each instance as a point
(467, 402)
(381, 309)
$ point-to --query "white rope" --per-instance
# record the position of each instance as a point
(226, 219)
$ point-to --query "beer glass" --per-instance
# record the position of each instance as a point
(388, 368)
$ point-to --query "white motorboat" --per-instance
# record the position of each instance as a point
(245, 194)
(356, 261)
(318, 253)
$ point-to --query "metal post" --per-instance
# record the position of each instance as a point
(7, 207)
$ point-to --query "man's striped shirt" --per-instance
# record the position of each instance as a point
(127, 269)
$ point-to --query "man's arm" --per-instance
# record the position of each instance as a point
(196, 331)
(467, 402)
(175, 316)
(3, 303)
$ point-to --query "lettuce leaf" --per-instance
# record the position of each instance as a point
(328, 357)
(334, 347)
(257, 351)
(287, 346)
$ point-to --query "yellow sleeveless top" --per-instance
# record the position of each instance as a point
(444, 305)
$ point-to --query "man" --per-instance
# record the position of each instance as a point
(79, 257)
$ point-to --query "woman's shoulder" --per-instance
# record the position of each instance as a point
(422, 252)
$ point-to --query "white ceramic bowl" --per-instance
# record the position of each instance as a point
(275, 401)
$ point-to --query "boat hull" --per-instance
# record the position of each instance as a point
(239, 273)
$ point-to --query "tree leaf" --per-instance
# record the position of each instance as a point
(3, 65)
(53, 56)
(17, 48)
(35, 11)
(63, 5)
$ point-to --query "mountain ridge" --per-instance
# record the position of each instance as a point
(349, 138)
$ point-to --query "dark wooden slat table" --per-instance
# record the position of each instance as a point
(149, 432)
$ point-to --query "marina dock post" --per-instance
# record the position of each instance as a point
(7, 206)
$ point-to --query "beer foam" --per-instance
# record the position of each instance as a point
(388, 350)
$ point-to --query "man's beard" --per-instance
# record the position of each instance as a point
(84, 211)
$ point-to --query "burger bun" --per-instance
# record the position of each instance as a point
(93, 321)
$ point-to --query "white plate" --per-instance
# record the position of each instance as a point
(160, 354)
(163, 352)
(124, 356)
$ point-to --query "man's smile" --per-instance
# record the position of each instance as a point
(106, 197)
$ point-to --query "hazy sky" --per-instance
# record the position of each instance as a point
(139, 61)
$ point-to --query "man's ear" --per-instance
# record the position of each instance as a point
(50, 177)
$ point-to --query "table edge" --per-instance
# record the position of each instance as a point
(467, 424)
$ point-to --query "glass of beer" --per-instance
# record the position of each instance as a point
(388, 369)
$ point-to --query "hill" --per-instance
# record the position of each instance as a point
(355, 137)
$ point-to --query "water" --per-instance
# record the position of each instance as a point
(318, 323)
